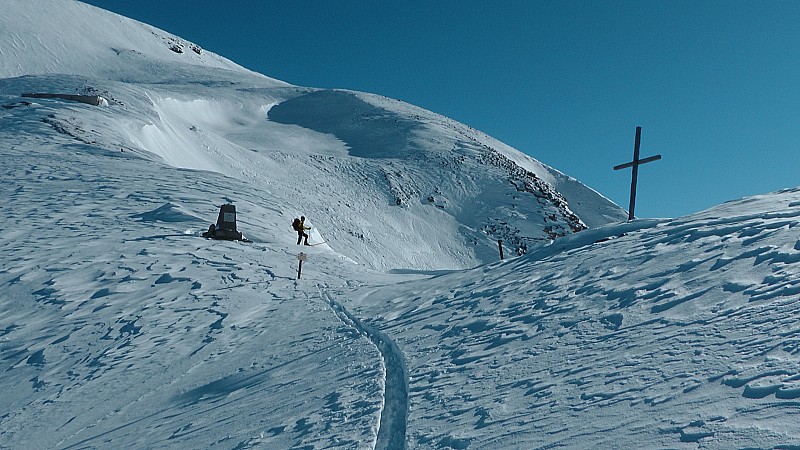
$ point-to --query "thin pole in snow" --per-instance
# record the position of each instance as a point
(300, 258)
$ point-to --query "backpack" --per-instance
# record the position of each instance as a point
(296, 224)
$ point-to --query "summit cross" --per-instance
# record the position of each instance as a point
(635, 172)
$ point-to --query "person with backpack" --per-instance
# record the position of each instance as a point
(300, 226)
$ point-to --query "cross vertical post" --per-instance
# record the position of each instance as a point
(634, 172)
(634, 165)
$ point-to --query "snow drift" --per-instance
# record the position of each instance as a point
(120, 327)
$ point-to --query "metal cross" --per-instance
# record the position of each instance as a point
(635, 172)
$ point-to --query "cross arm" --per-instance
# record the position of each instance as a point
(641, 161)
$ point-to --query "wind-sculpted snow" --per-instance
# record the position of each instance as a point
(668, 335)
(120, 327)
(343, 114)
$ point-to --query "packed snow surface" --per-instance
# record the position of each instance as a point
(121, 327)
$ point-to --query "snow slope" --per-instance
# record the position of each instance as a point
(121, 328)
(656, 334)
(197, 110)
(70, 37)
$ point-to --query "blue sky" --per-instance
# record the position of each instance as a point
(715, 85)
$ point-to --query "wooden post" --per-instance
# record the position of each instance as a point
(300, 257)
(500, 244)
(635, 170)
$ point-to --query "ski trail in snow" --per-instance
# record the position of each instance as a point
(392, 428)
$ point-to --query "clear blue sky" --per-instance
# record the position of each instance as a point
(715, 85)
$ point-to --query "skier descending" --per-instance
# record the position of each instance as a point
(300, 226)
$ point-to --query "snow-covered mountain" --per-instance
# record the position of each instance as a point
(120, 327)
(378, 175)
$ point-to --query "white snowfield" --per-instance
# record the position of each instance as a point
(120, 327)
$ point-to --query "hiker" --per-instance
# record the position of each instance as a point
(299, 225)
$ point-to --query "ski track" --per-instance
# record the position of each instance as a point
(391, 433)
